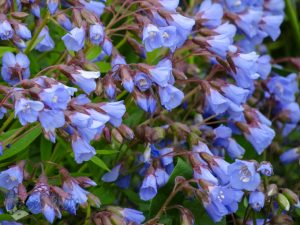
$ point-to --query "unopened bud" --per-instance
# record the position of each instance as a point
(272, 190)
(193, 139)
(137, 47)
(283, 202)
(126, 132)
(291, 196)
(187, 217)
(282, 219)
(117, 136)
(158, 134)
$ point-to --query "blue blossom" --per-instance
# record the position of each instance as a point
(210, 13)
(226, 29)
(234, 150)
(132, 215)
(219, 44)
(15, 67)
(257, 200)
(96, 33)
(49, 212)
(248, 22)
(170, 97)
(112, 175)
(271, 25)
(6, 31)
(290, 156)
(265, 168)
(46, 43)
(149, 187)
(152, 37)
(23, 31)
(215, 102)
(11, 199)
(64, 21)
(74, 40)
(70, 206)
(243, 175)
(203, 172)
(35, 10)
(236, 94)
(161, 73)
(161, 176)
(85, 80)
(115, 110)
(264, 66)
(283, 88)
(27, 110)
(83, 151)
(260, 137)
(168, 35)
(11, 177)
(107, 46)
(52, 6)
(78, 194)
(236, 6)
(57, 96)
(94, 6)
(33, 202)
(170, 5)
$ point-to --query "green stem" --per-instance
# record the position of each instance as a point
(36, 34)
(292, 14)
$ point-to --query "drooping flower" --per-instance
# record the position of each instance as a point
(27, 110)
(11, 177)
(170, 96)
(85, 80)
(46, 43)
(6, 31)
(83, 151)
(96, 33)
(152, 37)
(257, 200)
(74, 40)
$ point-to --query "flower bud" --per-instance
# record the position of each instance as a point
(291, 196)
(283, 202)
(158, 134)
(126, 132)
(107, 134)
(137, 47)
(117, 136)
(187, 217)
(281, 219)
(272, 190)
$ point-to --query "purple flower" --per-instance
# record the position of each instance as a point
(11, 177)
(70, 206)
(33, 202)
(78, 194)
(234, 150)
(83, 151)
(27, 110)
(248, 22)
(236, 94)
(161, 176)
(170, 97)
(96, 33)
(6, 31)
(161, 74)
(219, 44)
(94, 6)
(264, 66)
(152, 37)
(271, 25)
(132, 215)
(15, 67)
(257, 200)
(243, 175)
(148, 190)
(215, 102)
(203, 172)
(74, 40)
(290, 156)
(169, 38)
(86, 80)
(23, 31)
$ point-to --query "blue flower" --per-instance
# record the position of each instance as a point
(49, 212)
(152, 37)
(211, 13)
(161, 74)
(70, 206)
(219, 44)
(169, 37)
(243, 175)
(83, 151)
(260, 137)
(148, 190)
(170, 5)
(201, 171)
(271, 25)
(96, 33)
(215, 102)
(107, 46)
(264, 66)
(33, 202)
(236, 94)
(64, 21)
(94, 6)
(170, 97)
(35, 10)
(11, 177)
(85, 80)
(112, 175)
(248, 22)
(283, 88)
(234, 150)
(27, 110)
(57, 97)
(15, 67)
(161, 176)
(290, 156)
(265, 168)
(52, 6)
(257, 200)
(78, 194)
(74, 40)
(115, 110)
(6, 31)
(46, 43)
(132, 215)
(23, 31)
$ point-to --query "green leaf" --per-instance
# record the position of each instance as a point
(7, 134)
(104, 66)
(181, 169)
(99, 162)
(22, 143)
(19, 214)
(45, 148)
(4, 49)
(106, 152)
(93, 52)
(5, 217)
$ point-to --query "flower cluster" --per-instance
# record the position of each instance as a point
(214, 108)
